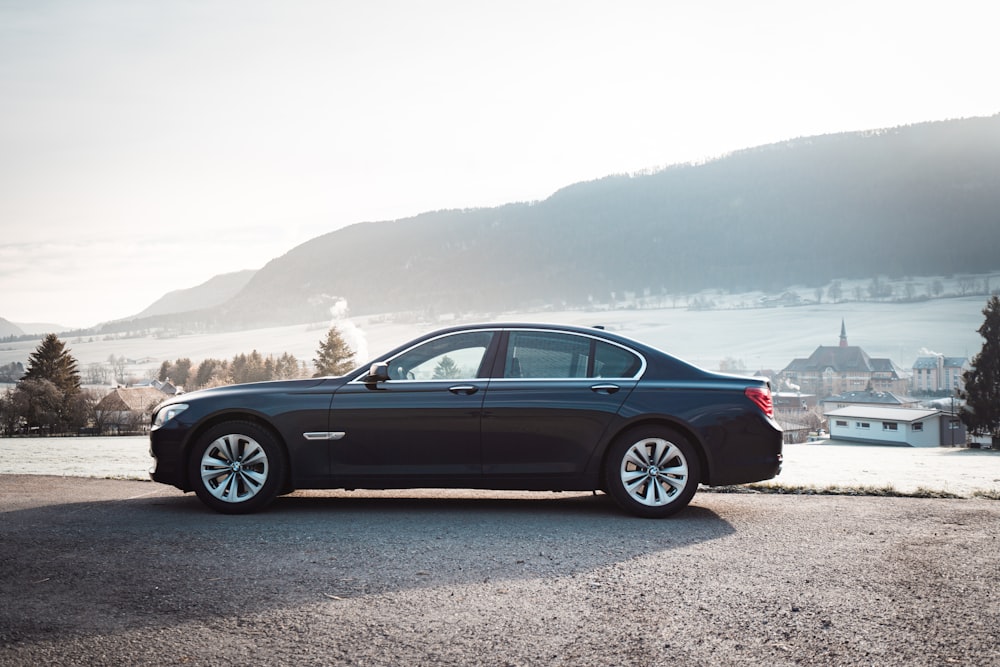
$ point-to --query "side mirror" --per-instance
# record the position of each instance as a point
(379, 372)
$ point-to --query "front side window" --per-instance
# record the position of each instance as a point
(454, 357)
(554, 355)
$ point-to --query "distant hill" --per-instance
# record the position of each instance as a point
(36, 328)
(908, 201)
(8, 328)
(213, 292)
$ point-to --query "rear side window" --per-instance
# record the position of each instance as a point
(611, 361)
(535, 354)
(553, 355)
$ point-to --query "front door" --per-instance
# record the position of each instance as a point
(423, 423)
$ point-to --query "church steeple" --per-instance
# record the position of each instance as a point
(843, 333)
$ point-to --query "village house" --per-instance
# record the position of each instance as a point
(911, 427)
(836, 369)
(796, 413)
(794, 403)
(881, 399)
(165, 386)
(127, 409)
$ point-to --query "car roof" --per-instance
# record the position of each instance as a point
(652, 354)
(596, 330)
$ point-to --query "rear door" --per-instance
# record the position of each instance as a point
(556, 395)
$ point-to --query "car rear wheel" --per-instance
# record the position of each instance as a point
(236, 467)
(652, 472)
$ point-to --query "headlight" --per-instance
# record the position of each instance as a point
(169, 412)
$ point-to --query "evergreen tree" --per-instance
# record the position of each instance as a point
(52, 361)
(248, 368)
(178, 372)
(981, 413)
(446, 369)
(47, 396)
(211, 373)
(335, 356)
(286, 367)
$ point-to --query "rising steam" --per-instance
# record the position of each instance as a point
(353, 336)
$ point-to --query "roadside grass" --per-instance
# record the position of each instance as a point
(887, 491)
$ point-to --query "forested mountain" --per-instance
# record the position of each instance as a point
(213, 292)
(908, 201)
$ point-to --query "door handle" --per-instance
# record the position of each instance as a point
(466, 389)
(605, 388)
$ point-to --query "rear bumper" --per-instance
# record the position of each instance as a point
(755, 457)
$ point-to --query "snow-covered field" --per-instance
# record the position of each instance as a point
(760, 338)
(957, 470)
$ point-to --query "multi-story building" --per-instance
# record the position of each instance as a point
(843, 368)
(939, 373)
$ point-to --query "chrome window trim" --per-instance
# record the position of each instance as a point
(360, 379)
(638, 375)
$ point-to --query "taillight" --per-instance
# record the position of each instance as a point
(762, 397)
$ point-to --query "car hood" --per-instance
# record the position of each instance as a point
(253, 388)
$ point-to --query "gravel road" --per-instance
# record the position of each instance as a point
(108, 572)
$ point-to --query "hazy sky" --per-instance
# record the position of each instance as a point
(148, 146)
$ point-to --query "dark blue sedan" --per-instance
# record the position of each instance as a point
(492, 406)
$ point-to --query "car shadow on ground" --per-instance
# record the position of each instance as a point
(158, 559)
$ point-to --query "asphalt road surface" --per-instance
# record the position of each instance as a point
(109, 572)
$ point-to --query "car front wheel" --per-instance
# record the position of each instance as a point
(236, 467)
(652, 472)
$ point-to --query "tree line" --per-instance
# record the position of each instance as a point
(333, 357)
(49, 398)
(242, 368)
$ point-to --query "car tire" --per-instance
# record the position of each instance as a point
(237, 467)
(652, 471)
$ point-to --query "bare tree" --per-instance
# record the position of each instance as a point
(118, 365)
(10, 416)
(97, 373)
(99, 419)
(731, 364)
(835, 292)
